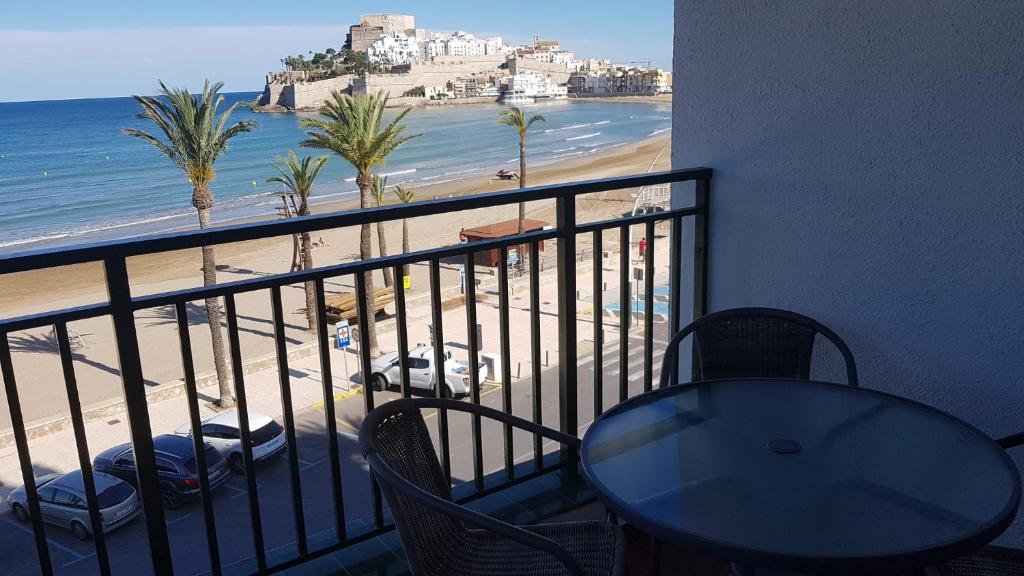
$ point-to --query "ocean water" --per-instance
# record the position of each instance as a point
(69, 175)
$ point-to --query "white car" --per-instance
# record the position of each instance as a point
(422, 376)
(221, 432)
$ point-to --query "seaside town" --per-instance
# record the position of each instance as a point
(388, 53)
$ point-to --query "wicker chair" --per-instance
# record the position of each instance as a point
(442, 538)
(754, 343)
(988, 560)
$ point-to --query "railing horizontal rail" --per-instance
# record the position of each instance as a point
(48, 258)
(52, 317)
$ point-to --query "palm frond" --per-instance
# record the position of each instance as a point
(192, 132)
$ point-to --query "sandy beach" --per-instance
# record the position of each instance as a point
(37, 365)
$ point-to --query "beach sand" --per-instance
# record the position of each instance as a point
(37, 365)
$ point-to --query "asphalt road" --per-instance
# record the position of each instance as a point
(128, 547)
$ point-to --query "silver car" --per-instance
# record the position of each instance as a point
(62, 502)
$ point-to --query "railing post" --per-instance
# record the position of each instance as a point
(700, 259)
(565, 219)
(133, 384)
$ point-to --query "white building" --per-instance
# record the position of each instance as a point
(461, 44)
(533, 85)
(395, 48)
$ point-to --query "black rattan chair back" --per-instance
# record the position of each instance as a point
(400, 436)
(754, 343)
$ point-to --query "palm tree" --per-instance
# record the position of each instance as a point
(297, 177)
(195, 135)
(515, 118)
(350, 126)
(379, 184)
(405, 196)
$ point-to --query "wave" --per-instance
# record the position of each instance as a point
(662, 131)
(602, 122)
(583, 136)
(563, 150)
(571, 127)
(397, 172)
(33, 240)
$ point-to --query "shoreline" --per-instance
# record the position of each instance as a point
(23, 293)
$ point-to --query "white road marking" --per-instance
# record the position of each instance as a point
(56, 545)
(77, 560)
(179, 519)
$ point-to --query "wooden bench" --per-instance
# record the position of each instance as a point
(343, 306)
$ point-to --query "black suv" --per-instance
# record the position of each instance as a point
(175, 465)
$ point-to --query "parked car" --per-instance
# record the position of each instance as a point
(221, 431)
(422, 375)
(175, 465)
(62, 502)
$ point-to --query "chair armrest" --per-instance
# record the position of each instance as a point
(386, 475)
(1011, 441)
(446, 404)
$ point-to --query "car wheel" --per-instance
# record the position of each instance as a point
(20, 513)
(379, 383)
(170, 497)
(80, 531)
(237, 464)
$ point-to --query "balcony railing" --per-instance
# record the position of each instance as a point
(122, 307)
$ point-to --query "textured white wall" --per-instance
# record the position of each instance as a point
(869, 162)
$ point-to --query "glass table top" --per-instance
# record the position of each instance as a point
(767, 469)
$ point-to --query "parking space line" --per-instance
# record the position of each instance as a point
(307, 465)
(57, 545)
(77, 560)
(356, 389)
(178, 519)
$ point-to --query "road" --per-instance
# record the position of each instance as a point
(128, 546)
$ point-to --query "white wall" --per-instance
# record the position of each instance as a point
(869, 171)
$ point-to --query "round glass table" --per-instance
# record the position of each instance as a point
(801, 476)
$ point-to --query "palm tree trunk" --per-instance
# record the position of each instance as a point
(405, 245)
(226, 396)
(522, 183)
(388, 280)
(365, 183)
(307, 263)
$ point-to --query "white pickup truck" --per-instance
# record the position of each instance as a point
(422, 376)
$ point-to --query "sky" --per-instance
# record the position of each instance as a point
(64, 49)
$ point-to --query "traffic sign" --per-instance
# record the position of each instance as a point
(343, 335)
(513, 256)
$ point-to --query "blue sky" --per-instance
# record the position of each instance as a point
(60, 49)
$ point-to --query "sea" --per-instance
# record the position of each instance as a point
(69, 175)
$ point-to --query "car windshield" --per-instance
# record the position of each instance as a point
(213, 458)
(114, 495)
(265, 433)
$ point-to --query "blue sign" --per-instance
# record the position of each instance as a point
(343, 335)
(513, 257)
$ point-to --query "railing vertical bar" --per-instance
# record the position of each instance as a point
(565, 220)
(363, 313)
(538, 409)
(625, 312)
(137, 411)
(245, 434)
(24, 458)
(675, 286)
(437, 336)
(506, 364)
(598, 324)
(288, 415)
(82, 445)
(401, 321)
(330, 419)
(649, 308)
(474, 371)
(198, 443)
(700, 261)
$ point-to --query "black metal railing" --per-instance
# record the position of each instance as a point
(121, 306)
